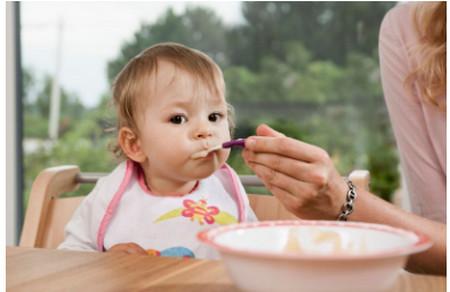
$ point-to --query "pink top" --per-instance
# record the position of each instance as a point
(419, 127)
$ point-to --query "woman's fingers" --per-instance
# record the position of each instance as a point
(264, 130)
(271, 141)
(300, 170)
(290, 202)
(277, 179)
(302, 207)
(285, 146)
(305, 200)
(301, 175)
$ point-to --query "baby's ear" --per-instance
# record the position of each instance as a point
(131, 145)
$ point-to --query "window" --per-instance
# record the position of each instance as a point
(309, 69)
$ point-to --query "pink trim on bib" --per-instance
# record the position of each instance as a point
(236, 192)
(112, 206)
(141, 181)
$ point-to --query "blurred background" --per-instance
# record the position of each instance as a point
(308, 69)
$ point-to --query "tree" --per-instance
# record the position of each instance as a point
(82, 135)
(299, 79)
(330, 30)
(71, 108)
(199, 28)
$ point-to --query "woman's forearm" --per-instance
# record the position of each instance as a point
(369, 208)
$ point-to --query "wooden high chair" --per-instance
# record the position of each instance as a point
(48, 213)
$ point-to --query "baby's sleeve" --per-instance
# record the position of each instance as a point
(81, 231)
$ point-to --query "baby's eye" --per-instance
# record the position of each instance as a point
(214, 117)
(178, 119)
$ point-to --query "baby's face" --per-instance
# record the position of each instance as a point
(181, 117)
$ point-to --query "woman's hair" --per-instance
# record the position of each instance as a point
(131, 83)
(430, 72)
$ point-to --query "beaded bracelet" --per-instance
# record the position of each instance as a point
(347, 208)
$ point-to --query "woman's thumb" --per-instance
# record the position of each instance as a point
(264, 130)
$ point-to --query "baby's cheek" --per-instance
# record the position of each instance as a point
(224, 132)
(174, 154)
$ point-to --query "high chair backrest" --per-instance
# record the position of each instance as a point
(48, 213)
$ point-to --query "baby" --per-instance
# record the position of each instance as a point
(171, 105)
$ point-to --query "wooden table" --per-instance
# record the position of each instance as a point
(32, 269)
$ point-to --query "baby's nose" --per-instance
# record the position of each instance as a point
(203, 133)
(203, 130)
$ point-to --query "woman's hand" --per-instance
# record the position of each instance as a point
(300, 175)
(129, 248)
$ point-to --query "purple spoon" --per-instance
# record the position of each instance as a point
(234, 143)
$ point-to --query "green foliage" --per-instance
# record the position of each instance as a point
(319, 82)
(240, 83)
(329, 30)
(362, 77)
(383, 165)
(83, 140)
(77, 147)
(300, 80)
(35, 126)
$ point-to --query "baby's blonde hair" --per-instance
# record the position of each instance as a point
(129, 85)
(430, 73)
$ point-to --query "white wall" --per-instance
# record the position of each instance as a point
(11, 131)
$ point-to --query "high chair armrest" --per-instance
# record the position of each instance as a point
(49, 184)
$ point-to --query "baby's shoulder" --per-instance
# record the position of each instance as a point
(108, 185)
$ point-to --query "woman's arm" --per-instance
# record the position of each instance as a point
(305, 180)
(419, 126)
(370, 208)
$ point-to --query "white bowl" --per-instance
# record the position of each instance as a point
(313, 256)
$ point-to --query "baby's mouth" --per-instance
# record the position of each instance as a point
(240, 142)
(205, 152)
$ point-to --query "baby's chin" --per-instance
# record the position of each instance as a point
(207, 169)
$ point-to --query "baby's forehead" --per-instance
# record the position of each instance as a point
(169, 76)
(165, 73)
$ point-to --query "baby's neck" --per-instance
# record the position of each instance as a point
(167, 187)
(171, 189)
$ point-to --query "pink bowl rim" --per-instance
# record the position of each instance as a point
(422, 242)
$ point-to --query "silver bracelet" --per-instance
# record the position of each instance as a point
(347, 208)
